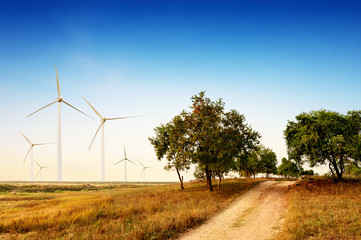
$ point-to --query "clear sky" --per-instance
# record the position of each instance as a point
(270, 60)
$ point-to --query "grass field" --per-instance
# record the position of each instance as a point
(109, 211)
(321, 209)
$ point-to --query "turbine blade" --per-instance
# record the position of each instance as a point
(38, 172)
(95, 135)
(122, 117)
(93, 108)
(25, 137)
(57, 81)
(141, 172)
(118, 162)
(140, 163)
(41, 143)
(125, 153)
(131, 162)
(77, 109)
(37, 163)
(27, 153)
(42, 108)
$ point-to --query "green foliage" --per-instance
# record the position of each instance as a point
(199, 173)
(307, 172)
(353, 169)
(325, 137)
(206, 136)
(288, 168)
(170, 143)
(259, 160)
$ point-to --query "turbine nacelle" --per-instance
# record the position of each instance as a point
(60, 99)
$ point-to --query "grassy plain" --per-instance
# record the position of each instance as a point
(320, 209)
(110, 211)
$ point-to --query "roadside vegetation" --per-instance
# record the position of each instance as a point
(325, 137)
(320, 209)
(110, 212)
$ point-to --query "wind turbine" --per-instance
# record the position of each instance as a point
(31, 160)
(40, 168)
(125, 159)
(102, 122)
(59, 100)
(143, 171)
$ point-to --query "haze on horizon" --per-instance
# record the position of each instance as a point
(268, 60)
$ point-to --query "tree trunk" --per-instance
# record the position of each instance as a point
(338, 176)
(219, 180)
(180, 179)
(209, 178)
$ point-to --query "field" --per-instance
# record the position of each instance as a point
(114, 211)
(321, 209)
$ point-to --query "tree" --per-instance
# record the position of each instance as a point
(307, 172)
(203, 130)
(170, 143)
(288, 168)
(216, 138)
(325, 137)
(259, 160)
(234, 137)
(269, 160)
(205, 136)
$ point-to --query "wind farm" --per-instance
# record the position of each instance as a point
(125, 160)
(40, 170)
(101, 126)
(180, 120)
(143, 170)
(59, 100)
(31, 149)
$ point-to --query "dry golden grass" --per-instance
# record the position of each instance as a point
(321, 209)
(113, 212)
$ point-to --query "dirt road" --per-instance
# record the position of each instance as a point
(258, 214)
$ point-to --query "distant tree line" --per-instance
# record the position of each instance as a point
(217, 142)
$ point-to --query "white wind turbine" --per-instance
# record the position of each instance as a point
(40, 170)
(125, 159)
(59, 100)
(31, 159)
(143, 171)
(102, 122)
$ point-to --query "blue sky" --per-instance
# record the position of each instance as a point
(270, 60)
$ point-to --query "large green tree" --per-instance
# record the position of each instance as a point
(170, 142)
(203, 131)
(206, 136)
(325, 137)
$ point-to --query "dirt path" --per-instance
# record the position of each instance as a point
(258, 214)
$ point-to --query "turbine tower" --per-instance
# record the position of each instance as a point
(125, 159)
(102, 122)
(31, 159)
(143, 171)
(59, 100)
(40, 170)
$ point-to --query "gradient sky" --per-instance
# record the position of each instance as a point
(270, 60)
